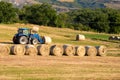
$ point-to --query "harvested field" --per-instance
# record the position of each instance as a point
(59, 68)
(34, 67)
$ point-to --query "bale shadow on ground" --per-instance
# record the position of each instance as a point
(6, 43)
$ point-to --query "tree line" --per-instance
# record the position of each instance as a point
(99, 20)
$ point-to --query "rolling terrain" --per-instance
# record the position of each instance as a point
(15, 67)
(67, 5)
(62, 36)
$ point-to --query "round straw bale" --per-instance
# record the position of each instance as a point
(31, 50)
(56, 50)
(69, 50)
(80, 50)
(91, 51)
(112, 38)
(35, 29)
(80, 37)
(117, 38)
(4, 50)
(101, 50)
(18, 50)
(44, 50)
(47, 39)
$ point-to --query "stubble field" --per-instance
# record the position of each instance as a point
(59, 68)
(14, 67)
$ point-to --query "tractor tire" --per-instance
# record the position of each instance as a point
(22, 40)
(34, 41)
(15, 40)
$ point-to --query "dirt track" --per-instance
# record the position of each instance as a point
(59, 68)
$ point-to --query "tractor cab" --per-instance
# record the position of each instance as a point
(24, 31)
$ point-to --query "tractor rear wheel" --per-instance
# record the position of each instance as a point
(34, 41)
(23, 40)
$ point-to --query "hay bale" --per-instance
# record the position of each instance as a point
(47, 39)
(117, 38)
(4, 50)
(35, 29)
(112, 38)
(18, 50)
(56, 50)
(69, 50)
(101, 50)
(91, 51)
(31, 50)
(80, 37)
(80, 51)
(43, 50)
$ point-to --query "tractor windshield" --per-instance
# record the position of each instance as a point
(20, 31)
(23, 31)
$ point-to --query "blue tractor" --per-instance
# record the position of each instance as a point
(25, 36)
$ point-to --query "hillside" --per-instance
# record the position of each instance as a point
(21, 3)
(113, 5)
(66, 5)
(32, 67)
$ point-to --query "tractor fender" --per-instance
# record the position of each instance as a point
(36, 36)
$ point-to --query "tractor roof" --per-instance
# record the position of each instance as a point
(24, 28)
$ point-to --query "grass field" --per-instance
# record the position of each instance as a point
(60, 68)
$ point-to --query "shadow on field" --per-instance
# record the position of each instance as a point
(113, 41)
(6, 42)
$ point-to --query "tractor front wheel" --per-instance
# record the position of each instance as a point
(23, 40)
(34, 41)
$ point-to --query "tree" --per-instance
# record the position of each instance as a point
(114, 22)
(41, 14)
(100, 23)
(61, 20)
(96, 19)
(8, 13)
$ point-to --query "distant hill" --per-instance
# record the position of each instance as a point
(66, 5)
(21, 3)
(78, 3)
(66, 0)
(114, 4)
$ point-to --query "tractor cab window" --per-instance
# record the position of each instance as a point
(20, 31)
(25, 32)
